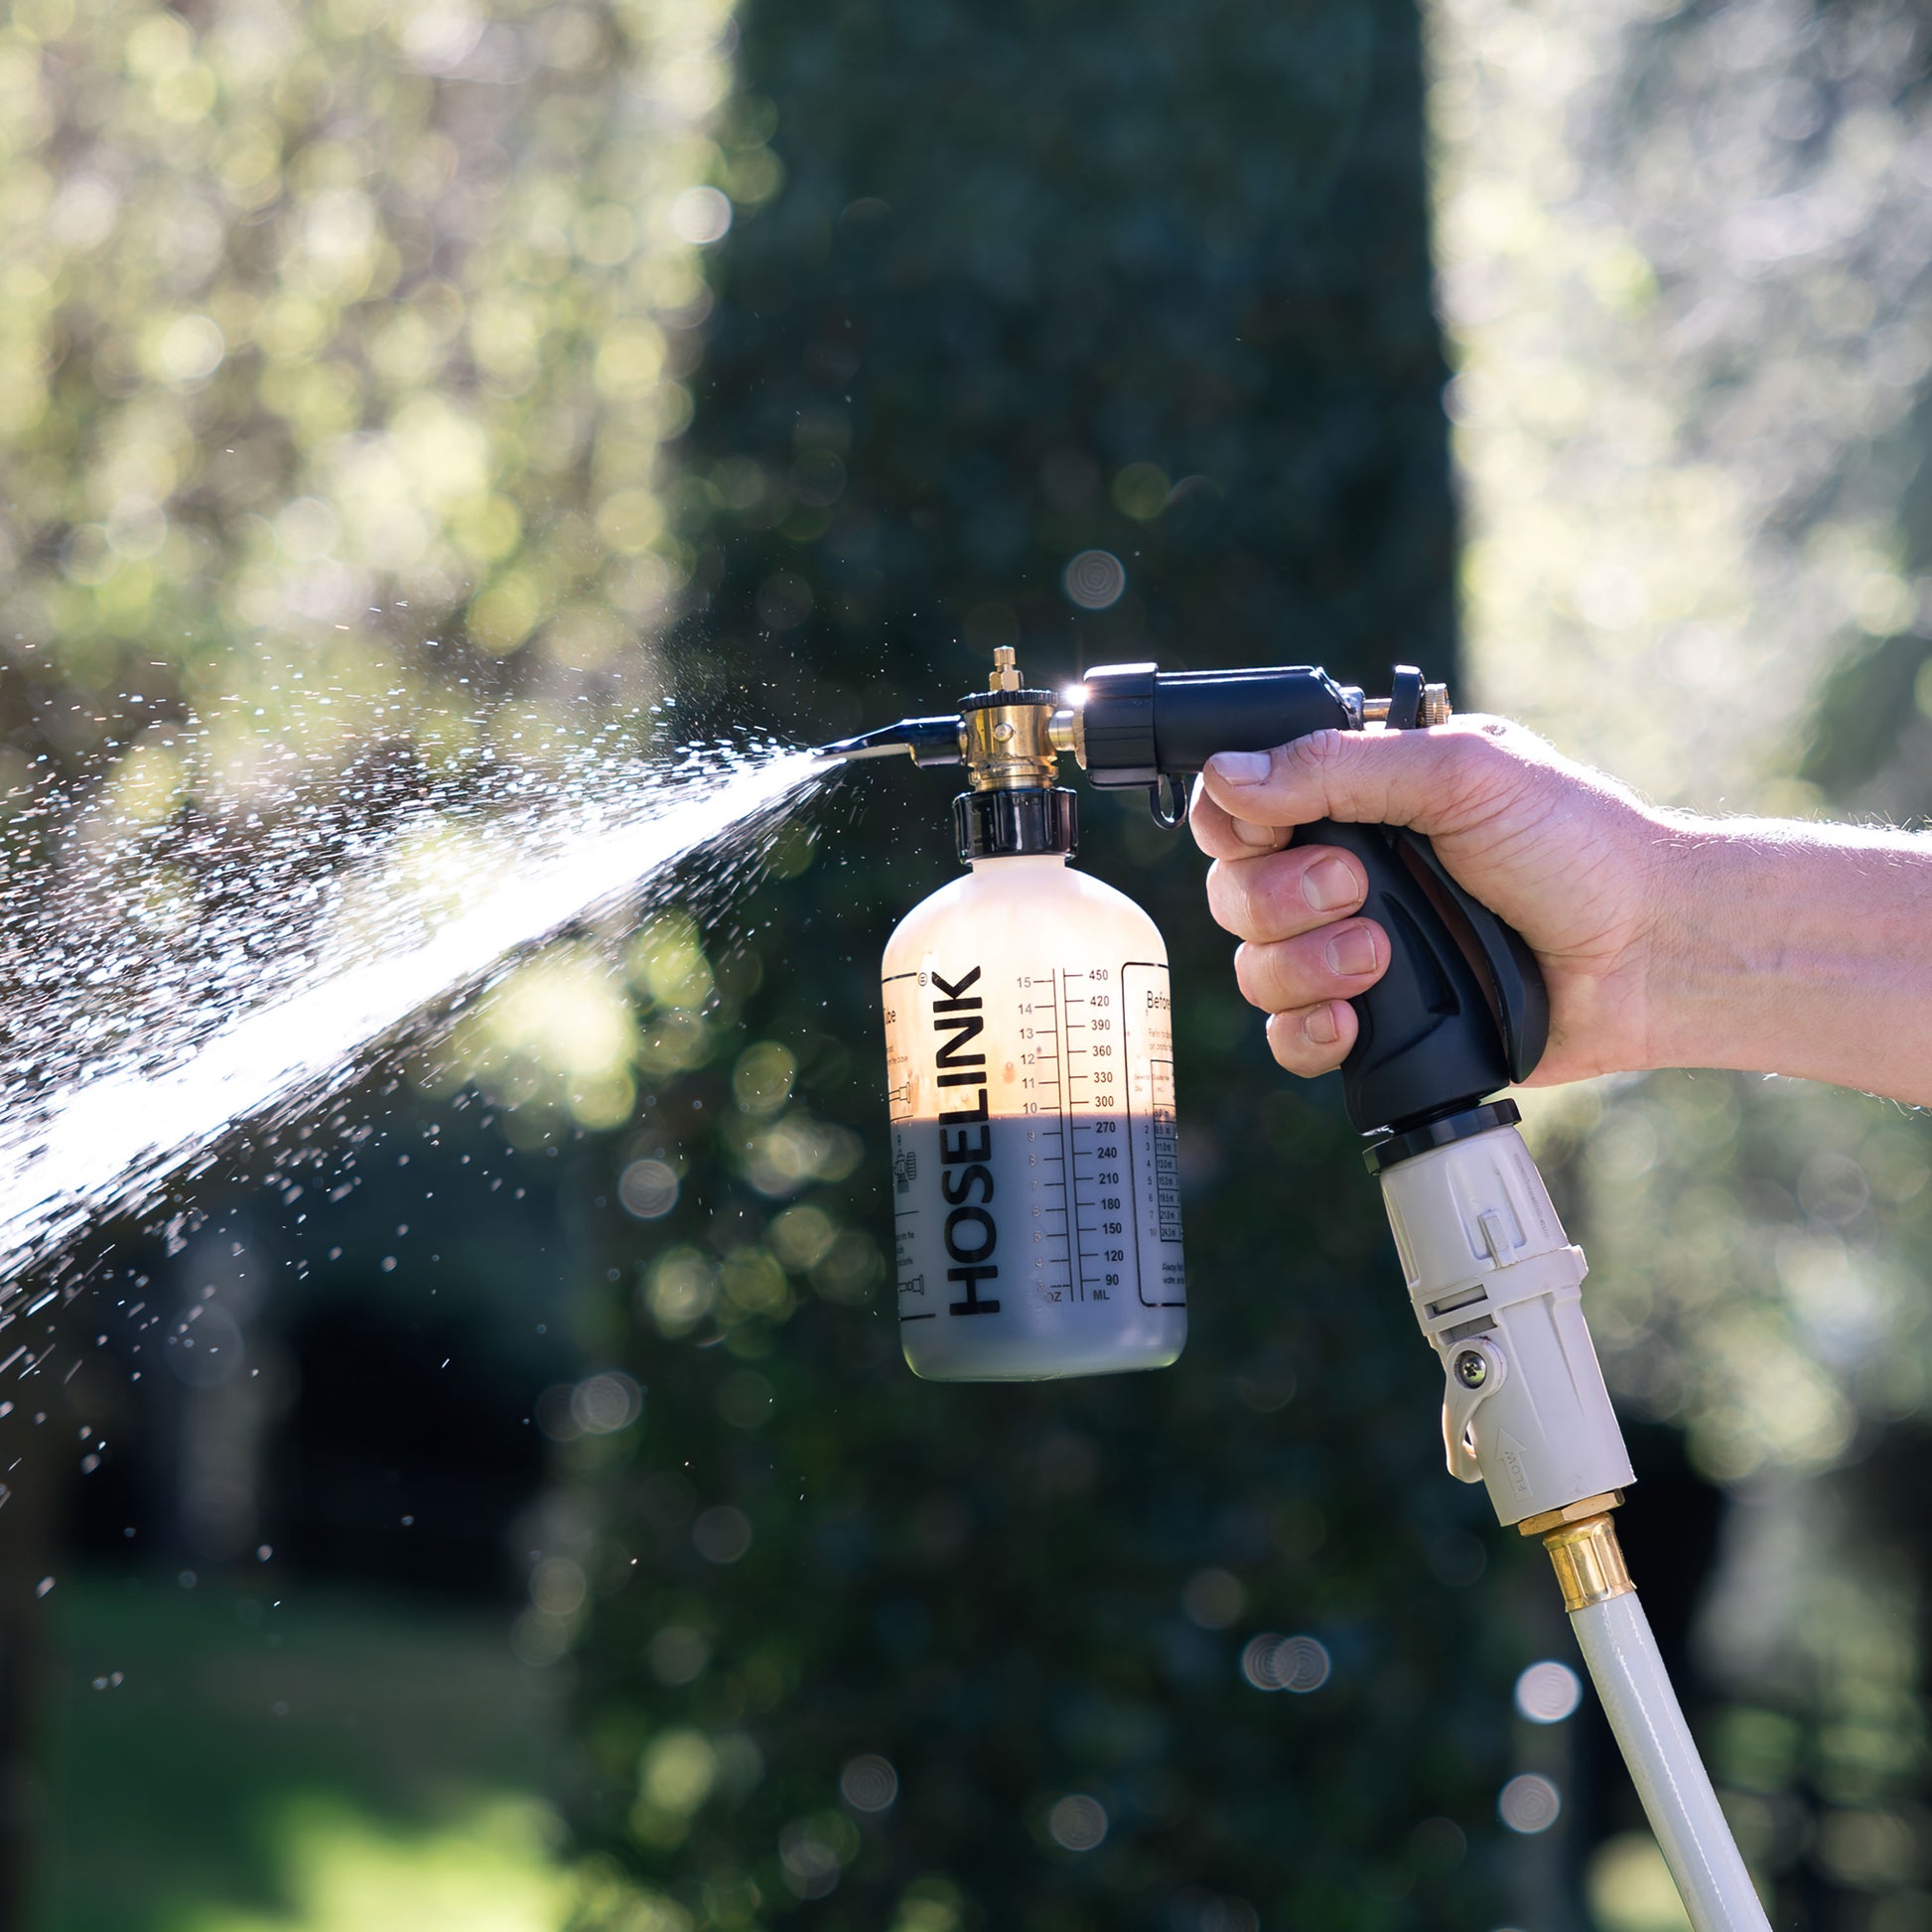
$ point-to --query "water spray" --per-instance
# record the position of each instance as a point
(1034, 1179)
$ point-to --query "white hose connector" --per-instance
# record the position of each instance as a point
(1692, 1830)
(1496, 1286)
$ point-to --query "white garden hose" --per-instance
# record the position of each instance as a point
(1615, 1638)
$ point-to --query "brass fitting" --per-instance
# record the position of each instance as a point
(1588, 1562)
(1551, 1519)
(1435, 707)
(1008, 746)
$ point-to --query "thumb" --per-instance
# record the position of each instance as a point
(1428, 779)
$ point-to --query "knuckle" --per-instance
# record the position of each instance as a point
(1482, 758)
(1271, 893)
(1480, 755)
(1316, 754)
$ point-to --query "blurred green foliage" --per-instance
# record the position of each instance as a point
(1684, 255)
(342, 347)
(425, 380)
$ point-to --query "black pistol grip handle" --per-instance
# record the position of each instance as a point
(1463, 1008)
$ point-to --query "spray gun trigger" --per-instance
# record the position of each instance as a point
(1476, 1370)
(1168, 799)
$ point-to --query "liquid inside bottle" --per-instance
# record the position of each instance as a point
(1034, 1184)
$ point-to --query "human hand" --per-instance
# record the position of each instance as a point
(1564, 854)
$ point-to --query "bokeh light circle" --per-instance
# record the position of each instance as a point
(1276, 1663)
(678, 1654)
(601, 1405)
(1095, 579)
(1529, 1804)
(701, 215)
(869, 1783)
(648, 1189)
(1548, 1692)
(722, 1534)
(1077, 1823)
(1213, 1599)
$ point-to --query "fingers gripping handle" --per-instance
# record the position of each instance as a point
(1461, 1009)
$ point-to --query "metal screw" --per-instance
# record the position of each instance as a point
(1470, 1369)
(1002, 731)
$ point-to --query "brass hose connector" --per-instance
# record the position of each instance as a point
(1435, 707)
(1009, 746)
(1583, 1550)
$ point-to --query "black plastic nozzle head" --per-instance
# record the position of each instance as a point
(1142, 725)
(929, 740)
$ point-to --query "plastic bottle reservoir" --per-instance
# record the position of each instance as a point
(1031, 1060)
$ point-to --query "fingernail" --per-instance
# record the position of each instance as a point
(1328, 885)
(1320, 1027)
(1352, 951)
(1250, 834)
(1241, 767)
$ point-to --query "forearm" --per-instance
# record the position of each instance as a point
(1795, 949)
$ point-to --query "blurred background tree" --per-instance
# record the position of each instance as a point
(394, 396)
(898, 1655)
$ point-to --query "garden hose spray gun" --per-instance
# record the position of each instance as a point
(1036, 1183)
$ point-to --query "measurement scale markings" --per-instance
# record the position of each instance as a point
(1078, 1127)
(1050, 1269)
(1079, 1102)
(898, 1111)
